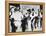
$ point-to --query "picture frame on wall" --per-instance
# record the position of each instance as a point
(24, 17)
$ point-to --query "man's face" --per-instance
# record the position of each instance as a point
(26, 13)
(17, 8)
(12, 9)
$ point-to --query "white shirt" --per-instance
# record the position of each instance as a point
(18, 15)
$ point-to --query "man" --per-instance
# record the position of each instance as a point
(24, 21)
(18, 17)
(11, 18)
(32, 19)
(29, 20)
(40, 19)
